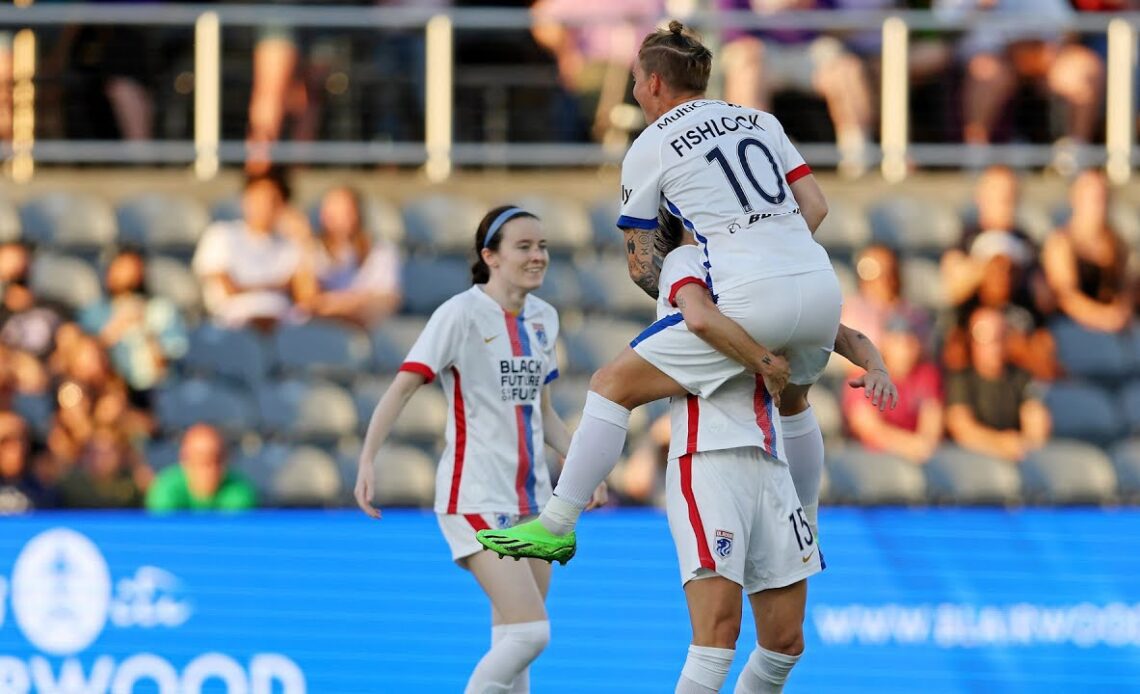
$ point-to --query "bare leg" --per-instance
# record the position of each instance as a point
(989, 85)
(744, 81)
(779, 615)
(1077, 77)
(133, 107)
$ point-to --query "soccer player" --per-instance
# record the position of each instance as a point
(739, 185)
(492, 349)
(737, 517)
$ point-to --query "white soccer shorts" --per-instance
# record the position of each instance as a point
(796, 314)
(459, 530)
(734, 513)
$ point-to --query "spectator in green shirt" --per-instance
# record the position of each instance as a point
(201, 480)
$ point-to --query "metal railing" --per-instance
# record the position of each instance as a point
(438, 153)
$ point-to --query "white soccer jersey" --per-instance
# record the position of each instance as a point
(726, 172)
(740, 413)
(492, 366)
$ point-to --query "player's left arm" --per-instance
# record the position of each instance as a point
(856, 348)
(704, 319)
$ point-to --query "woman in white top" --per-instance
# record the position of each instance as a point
(492, 349)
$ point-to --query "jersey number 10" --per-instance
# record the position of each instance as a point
(716, 155)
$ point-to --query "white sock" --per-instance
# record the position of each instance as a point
(518, 646)
(594, 450)
(705, 670)
(803, 444)
(766, 672)
(521, 685)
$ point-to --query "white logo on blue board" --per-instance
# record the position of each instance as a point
(723, 543)
(61, 592)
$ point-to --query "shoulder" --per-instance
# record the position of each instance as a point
(540, 308)
(646, 148)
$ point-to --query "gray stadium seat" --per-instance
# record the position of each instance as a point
(565, 220)
(172, 279)
(306, 410)
(604, 215)
(1083, 411)
(37, 411)
(859, 476)
(606, 287)
(181, 405)
(308, 477)
(240, 355)
(423, 420)
(163, 452)
(597, 342)
(562, 286)
(226, 209)
(381, 219)
(844, 230)
(162, 222)
(428, 282)
(914, 225)
(1126, 462)
(392, 341)
(68, 220)
(1068, 472)
(1089, 353)
(957, 476)
(261, 465)
(321, 347)
(442, 223)
(922, 283)
(1130, 406)
(405, 476)
(64, 279)
(10, 228)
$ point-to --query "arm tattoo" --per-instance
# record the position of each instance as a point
(644, 263)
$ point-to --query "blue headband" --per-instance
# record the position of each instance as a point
(504, 217)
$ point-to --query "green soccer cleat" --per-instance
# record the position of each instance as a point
(531, 540)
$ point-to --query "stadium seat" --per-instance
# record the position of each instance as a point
(1089, 353)
(1068, 472)
(405, 476)
(183, 404)
(162, 222)
(1130, 406)
(428, 282)
(442, 223)
(606, 287)
(162, 452)
(423, 420)
(10, 228)
(914, 225)
(859, 476)
(260, 463)
(957, 476)
(603, 216)
(240, 355)
(308, 477)
(1126, 462)
(922, 283)
(37, 410)
(79, 222)
(312, 411)
(1083, 411)
(597, 342)
(844, 230)
(330, 349)
(566, 221)
(381, 218)
(392, 341)
(226, 209)
(64, 279)
(562, 286)
(172, 279)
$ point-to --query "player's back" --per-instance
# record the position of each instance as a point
(727, 171)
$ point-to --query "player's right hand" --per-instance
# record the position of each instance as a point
(363, 490)
(776, 374)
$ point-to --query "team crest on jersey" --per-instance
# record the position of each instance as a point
(503, 520)
(540, 333)
(723, 543)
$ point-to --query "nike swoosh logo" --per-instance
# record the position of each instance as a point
(808, 557)
(487, 340)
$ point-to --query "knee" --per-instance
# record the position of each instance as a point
(721, 630)
(789, 640)
(606, 382)
(530, 637)
(988, 69)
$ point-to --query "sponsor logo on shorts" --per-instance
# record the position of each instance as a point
(723, 543)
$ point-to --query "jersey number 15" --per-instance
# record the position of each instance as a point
(716, 155)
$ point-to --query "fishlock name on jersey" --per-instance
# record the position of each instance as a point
(520, 379)
(712, 128)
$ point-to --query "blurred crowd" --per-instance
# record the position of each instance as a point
(988, 84)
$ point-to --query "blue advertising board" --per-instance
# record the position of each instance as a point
(289, 602)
